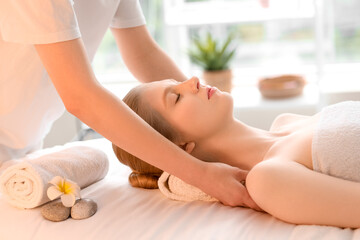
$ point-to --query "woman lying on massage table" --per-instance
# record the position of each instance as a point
(292, 175)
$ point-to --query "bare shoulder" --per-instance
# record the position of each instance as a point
(286, 119)
(315, 197)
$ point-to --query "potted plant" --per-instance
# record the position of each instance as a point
(214, 58)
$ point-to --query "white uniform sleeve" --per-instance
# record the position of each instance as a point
(38, 21)
(128, 14)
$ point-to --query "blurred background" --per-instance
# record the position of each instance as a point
(317, 39)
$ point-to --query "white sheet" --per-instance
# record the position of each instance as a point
(130, 213)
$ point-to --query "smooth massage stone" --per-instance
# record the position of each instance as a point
(55, 211)
(83, 208)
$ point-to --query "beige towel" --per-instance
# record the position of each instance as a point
(24, 184)
(176, 189)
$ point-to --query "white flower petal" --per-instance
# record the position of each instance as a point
(56, 181)
(76, 192)
(53, 192)
(71, 182)
(73, 187)
(68, 200)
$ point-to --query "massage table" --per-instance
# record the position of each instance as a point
(129, 213)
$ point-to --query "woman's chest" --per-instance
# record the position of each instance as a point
(296, 146)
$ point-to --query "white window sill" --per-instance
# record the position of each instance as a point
(257, 111)
(253, 109)
(249, 106)
(250, 97)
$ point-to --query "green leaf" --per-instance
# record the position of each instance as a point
(226, 44)
(209, 54)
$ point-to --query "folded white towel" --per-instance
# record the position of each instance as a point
(176, 189)
(336, 141)
(24, 184)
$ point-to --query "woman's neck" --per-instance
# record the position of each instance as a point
(238, 145)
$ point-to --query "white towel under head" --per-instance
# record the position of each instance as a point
(24, 184)
(176, 189)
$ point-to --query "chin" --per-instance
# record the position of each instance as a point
(227, 105)
(229, 100)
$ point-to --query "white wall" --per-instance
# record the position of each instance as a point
(329, 98)
(63, 131)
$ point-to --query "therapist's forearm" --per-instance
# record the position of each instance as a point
(156, 65)
(143, 56)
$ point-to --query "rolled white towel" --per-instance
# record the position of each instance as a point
(24, 184)
(176, 189)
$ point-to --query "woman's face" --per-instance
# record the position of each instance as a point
(195, 110)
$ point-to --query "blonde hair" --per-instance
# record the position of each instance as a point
(143, 174)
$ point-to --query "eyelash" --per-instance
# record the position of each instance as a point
(178, 97)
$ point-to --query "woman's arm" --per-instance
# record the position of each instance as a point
(296, 194)
(74, 80)
(143, 57)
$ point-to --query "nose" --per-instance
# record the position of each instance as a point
(192, 84)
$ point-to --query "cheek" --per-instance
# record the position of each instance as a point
(198, 119)
(188, 114)
(192, 118)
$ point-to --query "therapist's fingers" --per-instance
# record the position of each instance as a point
(241, 175)
(248, 201)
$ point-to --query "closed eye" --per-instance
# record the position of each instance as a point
(178, 98)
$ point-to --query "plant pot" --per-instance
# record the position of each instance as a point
(221, 79)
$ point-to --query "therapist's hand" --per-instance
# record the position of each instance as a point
(224, 183)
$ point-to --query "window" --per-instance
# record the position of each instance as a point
(343, 24)
(108, 65)
(267, 38)
(312, 37)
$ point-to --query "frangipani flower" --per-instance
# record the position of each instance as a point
(68, 190)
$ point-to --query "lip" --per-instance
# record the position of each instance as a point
(210, 91)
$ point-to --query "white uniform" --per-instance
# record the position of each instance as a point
(29, 103)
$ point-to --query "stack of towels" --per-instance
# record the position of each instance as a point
(24, 182)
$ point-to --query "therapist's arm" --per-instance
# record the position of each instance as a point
(71, 73)
(143, 56)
